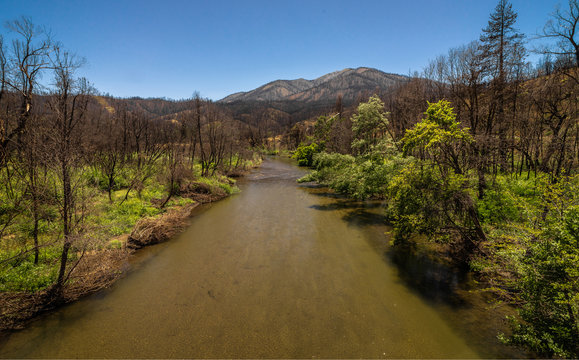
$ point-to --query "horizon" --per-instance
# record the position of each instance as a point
(138, 49)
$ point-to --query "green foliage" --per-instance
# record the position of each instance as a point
(359, 177)
(433, 196)
(305, 153)
(221, 182)
(323, 129)
(94, 176)
(120, 218)
(499, 204)
(440, 137)
(548, 321)
(369, 125)
(115, 244)
(423, 201)
(28, 277)
(367, 174)
(22, 275)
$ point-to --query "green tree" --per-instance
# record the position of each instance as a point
(369, 125)
(367, 174)
(502, 54)
(440, 138)
(432, 196)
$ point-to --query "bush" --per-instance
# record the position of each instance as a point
(305, 154)
(120, 218)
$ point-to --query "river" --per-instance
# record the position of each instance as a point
(280, 270)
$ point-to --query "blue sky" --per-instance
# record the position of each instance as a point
(173, 48)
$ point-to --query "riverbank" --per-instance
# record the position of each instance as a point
(280, 270)
(97, 262)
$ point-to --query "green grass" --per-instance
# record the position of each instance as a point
(105, 221)
(220, 181)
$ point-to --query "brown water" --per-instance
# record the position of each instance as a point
(278, 271)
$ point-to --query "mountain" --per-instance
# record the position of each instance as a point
(350, 83)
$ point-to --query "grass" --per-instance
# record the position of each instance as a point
(101, 228)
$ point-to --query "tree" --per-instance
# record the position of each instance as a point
(204, 162)
(369, 125)
(3, 123)
(499, 40)
(108, 155)
(501, 51)
(440, 137)
(30, 57)
(69, 105)
(32, 166)
(434, 200)
(548, 288)
(563, 28)
(174, 168)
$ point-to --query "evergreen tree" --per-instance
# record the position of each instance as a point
(502, 52)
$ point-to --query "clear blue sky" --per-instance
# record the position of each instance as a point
(173, 48)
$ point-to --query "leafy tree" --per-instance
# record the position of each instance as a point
(440, 138)
(323, 128)
(436, 200)
(367, 174)
(369, 125)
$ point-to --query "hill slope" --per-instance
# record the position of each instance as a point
(350, 83)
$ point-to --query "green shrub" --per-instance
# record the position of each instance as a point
(120, 218)
(304, 154)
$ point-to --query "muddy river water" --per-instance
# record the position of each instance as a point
(280, 270)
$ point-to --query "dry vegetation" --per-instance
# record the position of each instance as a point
(79, 170)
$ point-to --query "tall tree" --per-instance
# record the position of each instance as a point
(71, 97)
(502, 51)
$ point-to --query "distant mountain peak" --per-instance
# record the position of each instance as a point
(349, 83)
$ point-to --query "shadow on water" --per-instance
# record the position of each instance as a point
(362, 217)
(433, 280)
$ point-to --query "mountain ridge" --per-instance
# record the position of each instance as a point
(349, 83)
